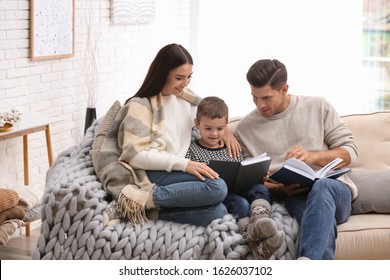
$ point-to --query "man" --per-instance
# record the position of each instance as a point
(308, 129)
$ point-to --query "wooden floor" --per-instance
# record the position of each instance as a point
(20, 247)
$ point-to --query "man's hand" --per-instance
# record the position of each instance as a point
(319, 158)
(278, 189)
(301, 154)
(200, 169)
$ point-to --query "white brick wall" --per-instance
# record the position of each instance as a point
(55, 87)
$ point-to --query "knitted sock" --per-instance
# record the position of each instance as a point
(261, 249)
(243, 227)
(266, 248)
(260, 224)
(111, 215)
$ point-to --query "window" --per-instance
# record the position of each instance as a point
(376, 53)
(320, 41)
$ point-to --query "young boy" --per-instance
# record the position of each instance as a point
(252, 210)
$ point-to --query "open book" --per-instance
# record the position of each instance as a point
(241, 176)
(296, 171)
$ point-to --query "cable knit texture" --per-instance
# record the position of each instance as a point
(73, 208)
(8, 199)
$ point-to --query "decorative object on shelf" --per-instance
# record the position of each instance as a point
(90, 117)
(6, 127)
(132, 11)
(91, 70)
(8, 118)
(52, 29)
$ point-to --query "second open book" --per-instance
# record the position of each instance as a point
(296, 171)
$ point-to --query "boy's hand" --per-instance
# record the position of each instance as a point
(266, 177)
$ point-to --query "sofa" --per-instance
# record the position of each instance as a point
(75, 209)
(366, 234)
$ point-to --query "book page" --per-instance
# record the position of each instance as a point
(335, 173)
(330, 166)
(300, 172)
(258, 158)
(300, 165)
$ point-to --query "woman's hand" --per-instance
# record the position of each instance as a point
(232, 145)
(200, 169)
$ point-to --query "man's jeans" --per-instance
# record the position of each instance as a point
(318, 213)
(183, 198)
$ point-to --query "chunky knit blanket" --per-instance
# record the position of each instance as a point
(72, 222)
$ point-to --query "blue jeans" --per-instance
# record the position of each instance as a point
(183, 198)
(318, 214)
(239, 205)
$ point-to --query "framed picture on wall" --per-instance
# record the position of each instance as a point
(132, 11)
(52, 29)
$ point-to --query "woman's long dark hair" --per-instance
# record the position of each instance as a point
(169, 57)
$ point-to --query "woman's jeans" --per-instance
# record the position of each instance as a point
(239, 205)
(183, 198)
(318, 213)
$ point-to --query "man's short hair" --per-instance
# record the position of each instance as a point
(267, 72)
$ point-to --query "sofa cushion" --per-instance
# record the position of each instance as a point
(233, 122)
(372, 136)
(364, 237)
(374, 191)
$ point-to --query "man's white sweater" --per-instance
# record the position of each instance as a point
(310, 122)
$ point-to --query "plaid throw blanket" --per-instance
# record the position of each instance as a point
(138, 126)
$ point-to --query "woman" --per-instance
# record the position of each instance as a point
(155, 136)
